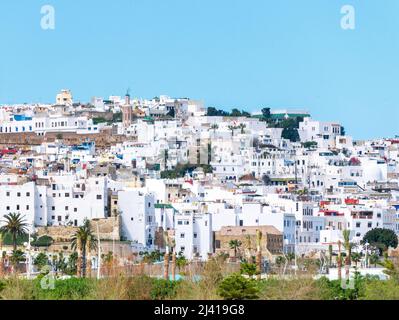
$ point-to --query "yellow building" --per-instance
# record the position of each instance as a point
(64, 98)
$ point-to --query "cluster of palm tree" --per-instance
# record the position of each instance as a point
(250, 259)
(170, 246)
(241, 126)
(84, 242)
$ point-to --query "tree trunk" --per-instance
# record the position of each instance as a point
(339, 262)
(1, 266)
(166, 266)
(348, 262)
(259, 264)
(79, 265)
(14, 242)
(84, 262)
(174, 266)
(89, 265)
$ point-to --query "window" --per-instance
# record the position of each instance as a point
(75, 209)
(59, 218)
(53, 217)
(8, 208)
(182, 235)
(18, 194)
(179, 222)
(195, 235)
(357, 224)
(27, 207)
(8, 193)
(28, 194)
(149, 204)
(66, 208)
(186, 223)
(66, 195)
(53, 208)
(369, 225)
(17, 206)
(99, 197)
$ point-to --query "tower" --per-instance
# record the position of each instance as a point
(127, 111)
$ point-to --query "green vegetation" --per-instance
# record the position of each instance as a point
(83, 242)
(44, 241)
(381, 239)
(236, 287)
(213, 112)
(232, 287)
(309, 144)
(181, 170)
(14, 225)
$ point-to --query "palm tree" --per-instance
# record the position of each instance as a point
(339, 261)
(17, 257)
(259, 254)
(232, 128)
(348, 247)
(1, 258)
(374, 259)
(83, 241)
(16, 226)
(356, 257)
(290, 257)
(235, 245)
(214, 127)
(173, 247)
(248, 244)
(330, 253)
(242, 126)
(166, 256)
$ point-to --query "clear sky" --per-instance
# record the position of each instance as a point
(230, 53)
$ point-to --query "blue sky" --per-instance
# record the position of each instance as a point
(229, 53)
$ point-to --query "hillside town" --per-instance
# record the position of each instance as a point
(173, 176)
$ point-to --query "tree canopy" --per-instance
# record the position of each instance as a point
(381, 238)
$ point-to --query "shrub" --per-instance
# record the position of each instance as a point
(69, 289)
(236, 287)
(163, 289)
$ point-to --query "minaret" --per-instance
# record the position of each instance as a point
(127, 111)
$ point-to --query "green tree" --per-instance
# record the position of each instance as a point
(356, 257)
(381, 238)
(266, 115)
(232, 129)
(17, 256)
(236, 287)
(374, 259)
(83, 241)
(249, 269)
(235, 113)
(242, 127)
(15, 225)
(41, 260)
(348, 248)
(235, 245)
